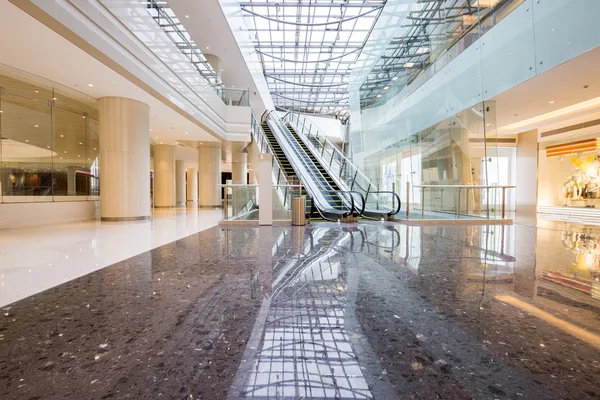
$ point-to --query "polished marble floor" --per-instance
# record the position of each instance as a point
(35, 259)
(330, 311)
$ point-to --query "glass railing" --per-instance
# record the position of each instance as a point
(444, 42)
(343, 170)
(439, 202)
(234, 97)
(242, 202)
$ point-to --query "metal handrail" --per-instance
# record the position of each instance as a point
(394, 195)
(459, 188)
(300, 159)
(341, 155)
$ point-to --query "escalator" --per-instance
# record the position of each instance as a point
(327, 200)
(288, 170)
(340, 172)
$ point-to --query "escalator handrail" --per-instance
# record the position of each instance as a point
(349, 162)
(350, 192)
(297, 158)
(393, 194)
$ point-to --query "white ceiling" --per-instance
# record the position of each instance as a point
(562, 85)
(36, 49)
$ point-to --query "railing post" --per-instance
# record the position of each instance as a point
(407, 200)
(422, 202)
(487, 201)
(458, 205)
(467, 210)
(503, 202)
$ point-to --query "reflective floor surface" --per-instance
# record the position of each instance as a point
(35, 259)
(370, 310)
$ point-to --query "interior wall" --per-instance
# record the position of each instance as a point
(527, 178)
(19, 215)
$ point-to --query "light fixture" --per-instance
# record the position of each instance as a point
(552, 102)
(156, 137)
(409, 65)
(90, 84)
(54, 98)
(386, 87)
(78, 155)
(207, 48)
(161, 142)
(27, 140)
(150, 129)
(422, 50)
(37, 126)
(65, 152)
(80, 143)
(186, 133)
(48, 147)
(379, 95)
(94, 148)
(187, 16)
(62, 135)
(37, 91)
(395, 78)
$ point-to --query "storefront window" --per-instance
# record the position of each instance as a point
(49, 146)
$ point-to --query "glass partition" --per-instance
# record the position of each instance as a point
(49, 143)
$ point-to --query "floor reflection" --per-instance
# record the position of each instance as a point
(305, 350)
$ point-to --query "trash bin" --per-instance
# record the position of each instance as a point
(298, 211)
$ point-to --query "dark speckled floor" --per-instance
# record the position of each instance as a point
(332, 311)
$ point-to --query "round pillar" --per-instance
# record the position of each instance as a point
(209, 175)
(192, 185)
(164, 175)
(215, 62)
(179, 182)
(124, 155)
(239, 168)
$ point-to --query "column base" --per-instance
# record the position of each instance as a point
(164, 206)
(125, 218)
(210, 207)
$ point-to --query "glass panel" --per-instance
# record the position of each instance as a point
(71, 172)
(241, 203)
(26, 154)
(92, 163)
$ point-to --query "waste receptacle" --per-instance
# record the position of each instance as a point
(299, 210)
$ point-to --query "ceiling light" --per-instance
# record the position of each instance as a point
(395, 78)
(90, 84)
(207, 48)
(150, 129)
(186, 133)
(61, 159)
(409, 65)
(187, 16)
(54, 98)
(27, 140)
(37, 91)
(156, 137)
(552, 102)
(422, 50)
(222, 70)
(65, 152)
(48, 147)
(80, 143)
(37, 126)
(161, 142)
(386, 87)
(94, 148)
(379, 95)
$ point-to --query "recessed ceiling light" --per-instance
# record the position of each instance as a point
(90, 84)
(187, 16)
(62, 135)
(54, 98)
(186, 133)
(27, 140)
(94, 148)
(78, 155)
(386, 87)
(65, 152)
(207, 48)
(222, 70)
(48, 147)
(37, 126)
(37, 91)
(379, 95)
(150, 129)
(156, 137)
(61, 159)
(161, 142)
(552, 102)
(80, 143)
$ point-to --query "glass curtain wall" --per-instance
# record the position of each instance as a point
(49, 144)
(413, 123)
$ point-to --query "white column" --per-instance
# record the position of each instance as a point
(164, 175)
(192, 184)
(265, 190)
(124, 159)
(179, 182)
(215, 62)
(209, 174)
(239, 168)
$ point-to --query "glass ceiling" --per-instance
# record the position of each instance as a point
(307, 48)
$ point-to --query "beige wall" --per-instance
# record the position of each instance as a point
(527, 174)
